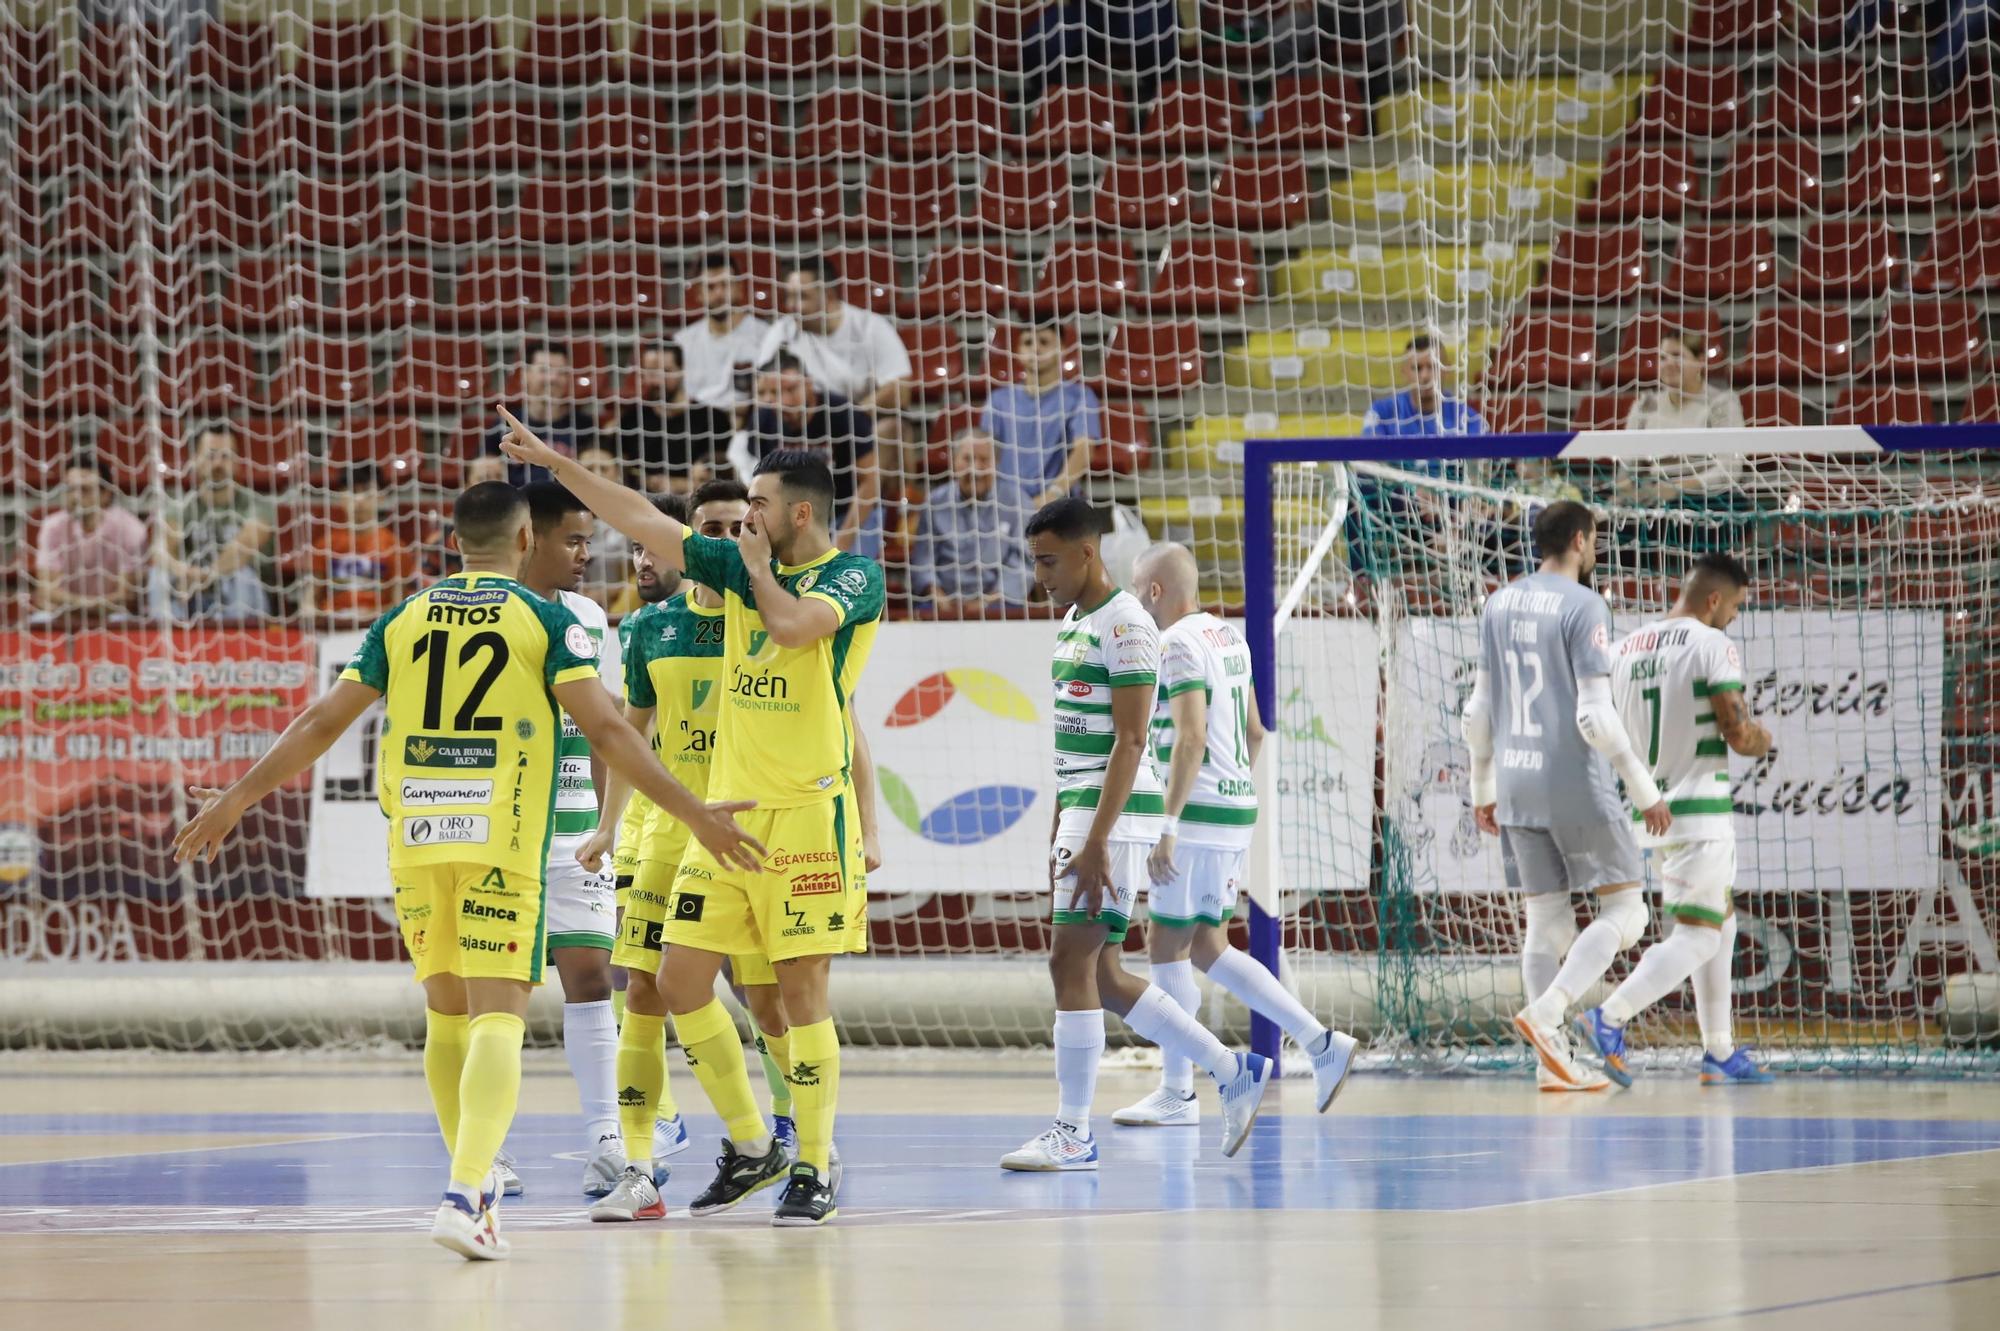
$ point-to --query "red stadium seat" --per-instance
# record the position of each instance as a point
(625, 129)
(1895, 171)
(1193, 117)
(1034, 196)
(1640, 184)
(62, 138)
(678, 45)
(1000, 365)
(336, 214)
(1723, 263)
(394, 445)
(1127, 446)
(1311, 113)
(1072, 119)
(1638, 360)
(870, 278)
(498, 291)
(286, 136)
(1144, 194)
(270, 293)
(450, 53)
(97, 215)
(50, 295)
(960, 121)
(566, 49)
(1790, 343)
(1205, 275)
(1982, 188)
(1846, 259)
(1606, 411)
(902, 39)
(86, 376)
(233, 57)
(1865, 404)
(438, 374)
(937, 359)
(679, 210)
(1512, 415)
(1153, 358)
(1982, 407)
(1823, 97)
(451, 211)
(160, 292)
(1260, 194)
(1908, 103)
(1765, 408)
(563, 210)
(1593, 266)
(33, 454)
(997, 29)
(1925, 340)
(342, 55)
(209, 374)
(397, 136)
(617, 288)
(323, 374)
(1738, 25)
(789, 42)
(504, 136)
(1771, 178)
(917, 199)
(31, 56)
(1083, 277)
(222, 215)
(731, 125)
(1703, 102)
(794, 202)
(386, 292)
(179, 136)
(968, 281)
(1541, 351)
(114, 58)
(1964, 256)
(845, 122)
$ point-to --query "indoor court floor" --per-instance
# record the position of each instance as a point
(170, 1194)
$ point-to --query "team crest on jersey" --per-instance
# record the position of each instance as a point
(524, 730)
(700, 690)
(758, 637)
(806, 582)
(580, 642)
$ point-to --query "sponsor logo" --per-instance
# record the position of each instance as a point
(797, 928)
(699, 693)
(786, 859)
(580, 643)
(826, 781)
(688, 906)
(427, 792)
(695, 871)
(1598, 638)
(474, 910)
(494, 881)
(1120, 630)
(18, 849)
(835, 922)
(1079, 688)
(524, 730)
(631, 1097)
(806, 581)
(466, 944)
(816, 885)
(803, 1074)
(444, 751)
(758, 637)
(461, 829)
(420, 943)
(850, 582)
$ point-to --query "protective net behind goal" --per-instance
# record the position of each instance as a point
(1866, 885)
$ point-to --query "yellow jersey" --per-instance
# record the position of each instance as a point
(470, 747)
(782, 731)
(640, 812)
(673, 664)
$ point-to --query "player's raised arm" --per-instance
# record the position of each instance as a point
(791, 513)
(311, 733)
(625, 509)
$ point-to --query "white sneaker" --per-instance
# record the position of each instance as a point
(1242, 1096)
(1546, 1082)
(670, 1137)
(1162, 1109)
(600, 1176)
(1331, 1066)
(510, 1182)
(1551, 1046)
(1056, 1150)
(634, 1198)
(472, 1235)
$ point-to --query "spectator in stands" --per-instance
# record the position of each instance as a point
(1085, 38)
(1046, 424)
(847, 350)
(1352, 35)
(548, 403)
(90, 560)
(1683, 400)
(673, 441)
(610, 551)
(1424, 408)
(968, 556)
(794, 412)
(721, 351)
(210, 548)
(358, 565)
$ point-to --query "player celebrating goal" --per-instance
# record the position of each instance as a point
(799, 619)
(477, 673)
(1108, 818)
(1541, 703)
(1678, 684)
(1206, 732)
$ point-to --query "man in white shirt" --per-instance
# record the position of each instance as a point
(728, 338)
(846, 350)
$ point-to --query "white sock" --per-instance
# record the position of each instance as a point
(1713, 995)
(1158, 1018)
(1176, 978)
(590, 1042)
(1266, 995)
(1660, 971)
(1589, 957)
(1079, 1049)
(1549, 930)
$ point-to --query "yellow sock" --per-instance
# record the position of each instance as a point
(618, 1006)
(445, 1040)
(642, 1074)
(815, 1078)
(716, 1055)
(666, 1106)
(488, 1090)
(777, 1052)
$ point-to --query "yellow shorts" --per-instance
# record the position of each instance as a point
(644, 918)
(471, 920)
(802, 905)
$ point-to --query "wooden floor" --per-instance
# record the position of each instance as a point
(169, 1194)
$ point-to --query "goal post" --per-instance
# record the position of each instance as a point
(1866, 893)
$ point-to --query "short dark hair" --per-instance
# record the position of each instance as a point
(812, 265)
(207, 428)
(783, 362)
(673, 505)
(486, 512)
(806, 475)
(1420, 342)
(530, 350)
(549, 502)
(365, 476)
(667, 345)
(1719, 566)
(1067, 519)
(721, 490)
(91, 463)
(717, 261)
(1558, 526)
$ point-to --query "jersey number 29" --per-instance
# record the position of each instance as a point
(434, 649)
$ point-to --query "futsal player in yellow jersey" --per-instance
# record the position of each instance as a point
(476, 672)
(799, 619)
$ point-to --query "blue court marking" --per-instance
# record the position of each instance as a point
(948, 1162)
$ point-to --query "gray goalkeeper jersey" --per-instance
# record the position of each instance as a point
(1537, 636)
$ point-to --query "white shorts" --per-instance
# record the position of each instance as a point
(1696, 878)
(1206, 881)
(1128, 874)
(581, 908)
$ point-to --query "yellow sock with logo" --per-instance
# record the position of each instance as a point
(777, 1052)
(642, 1077)
(815, 1078)
(488, 1090)
(716, 1054)
(445, 1041)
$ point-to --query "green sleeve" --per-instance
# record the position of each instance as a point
(370, 664)
(715, 563)
(638, 679)
(571, 648)
(853, 586)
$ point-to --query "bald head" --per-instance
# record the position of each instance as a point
(1167, 582)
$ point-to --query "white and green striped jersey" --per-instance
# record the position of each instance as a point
(576, 798)
(1112, 646)
(1206, 653)
(1664, 676)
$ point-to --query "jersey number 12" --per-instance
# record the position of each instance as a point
(434, 649)
(1525, 725)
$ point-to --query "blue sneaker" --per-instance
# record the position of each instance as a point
(1608, 1041)
(785, 1132)
(670, 1137)
(1739, 1069)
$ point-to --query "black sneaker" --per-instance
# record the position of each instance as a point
(807, 1200)
(738, 1175)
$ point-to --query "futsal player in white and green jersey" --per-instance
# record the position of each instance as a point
(1206, 734)
(1108, 815)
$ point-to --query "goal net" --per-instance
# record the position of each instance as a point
(266, 266)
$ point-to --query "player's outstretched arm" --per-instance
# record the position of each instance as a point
(1189, 710)
(1597, 718)
(792, 621)
(1739, 732)
(627, 510)
(311, 733)
(714, 825)
(615, 792)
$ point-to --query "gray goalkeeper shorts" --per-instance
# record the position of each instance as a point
(1569, 859)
